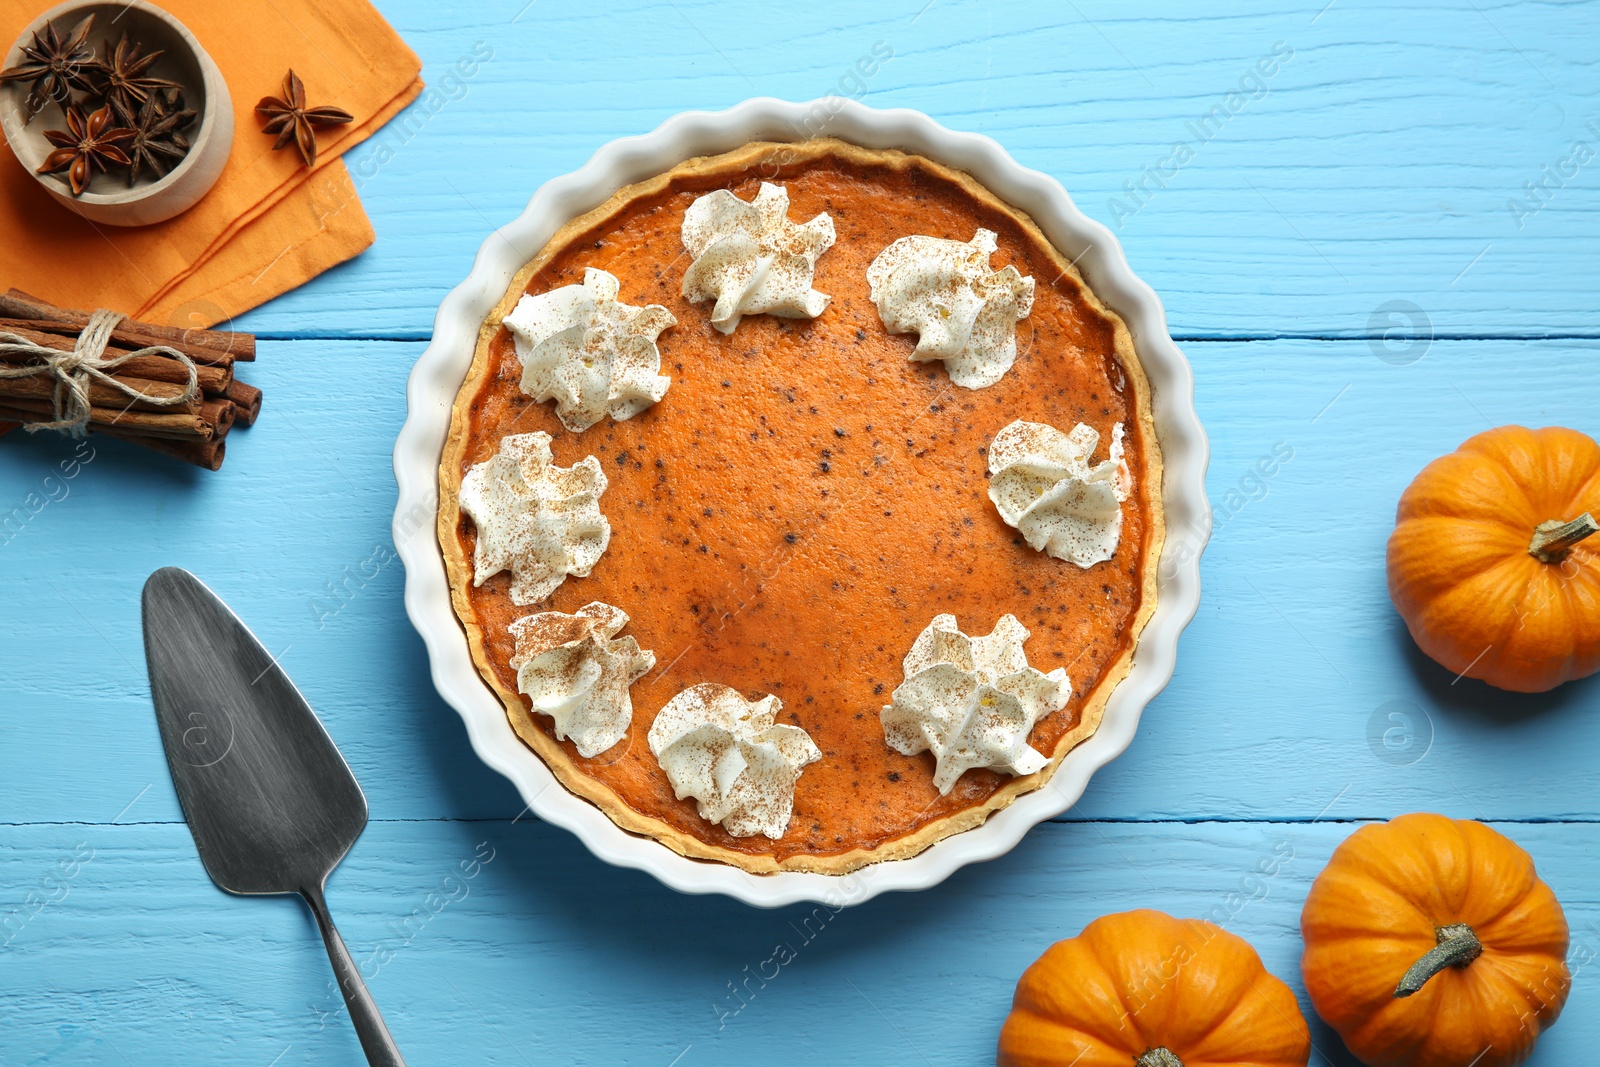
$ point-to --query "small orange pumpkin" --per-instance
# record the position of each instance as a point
(1431, 942)
(1143, 988)
(1486, 565)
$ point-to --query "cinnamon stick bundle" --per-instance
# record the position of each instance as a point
(193, 431)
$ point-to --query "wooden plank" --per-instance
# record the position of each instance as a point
(1378, 163)
(546, 955)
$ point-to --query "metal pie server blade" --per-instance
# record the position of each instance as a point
(271, 803)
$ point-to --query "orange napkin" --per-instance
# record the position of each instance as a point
(268, 224)
(313, 227)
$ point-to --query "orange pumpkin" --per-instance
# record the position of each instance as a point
(1486, 564)
(1431, 942)
(1146, 989)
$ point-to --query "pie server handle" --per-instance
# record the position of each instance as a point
(370, 1028)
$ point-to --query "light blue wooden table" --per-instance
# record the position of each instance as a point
(1379, 179)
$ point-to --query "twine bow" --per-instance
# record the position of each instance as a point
(74, 371)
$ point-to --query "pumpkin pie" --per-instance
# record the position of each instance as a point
(802, 505)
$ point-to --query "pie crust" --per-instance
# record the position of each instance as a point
(773, 157)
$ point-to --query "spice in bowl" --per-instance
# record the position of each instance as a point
(124, 120)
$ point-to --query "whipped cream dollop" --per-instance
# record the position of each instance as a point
(589, 352)
(577, 671)
(539, 521)
(972, 701)
(751, 259)
(962, 312)
(729, 754)
(1041, 483)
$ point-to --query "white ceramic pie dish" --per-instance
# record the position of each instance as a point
(440, 371)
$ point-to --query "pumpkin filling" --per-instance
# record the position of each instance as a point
(804, 499)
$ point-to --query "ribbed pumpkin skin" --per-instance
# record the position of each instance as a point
(1140, 980)
(1373, 912)
(1460, 572)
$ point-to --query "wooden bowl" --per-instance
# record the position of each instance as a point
(109, 199)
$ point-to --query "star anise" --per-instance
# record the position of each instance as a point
(157, 140)
(289, 118)
(84, 145)
(55, 65)
(124, 77)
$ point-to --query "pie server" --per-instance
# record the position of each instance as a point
(271, 803)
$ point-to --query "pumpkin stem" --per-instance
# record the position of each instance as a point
(1457, 947)
(1158, 1057)
(1552, 539)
